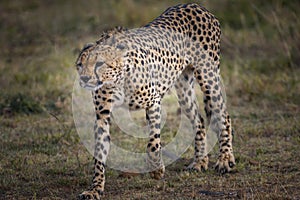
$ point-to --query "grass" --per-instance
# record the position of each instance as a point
(41, 154)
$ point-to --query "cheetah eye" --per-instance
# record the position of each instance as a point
(99, 64)
(79, 67)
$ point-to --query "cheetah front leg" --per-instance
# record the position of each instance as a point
(154, 160)
(102, 144)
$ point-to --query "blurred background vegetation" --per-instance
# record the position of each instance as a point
(40, 41)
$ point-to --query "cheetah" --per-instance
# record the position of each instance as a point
(137, 67)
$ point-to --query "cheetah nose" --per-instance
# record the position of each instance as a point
(85, 79)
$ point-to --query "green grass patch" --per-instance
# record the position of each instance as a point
(20, 104)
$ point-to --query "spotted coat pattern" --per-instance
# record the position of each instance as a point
(137, 67)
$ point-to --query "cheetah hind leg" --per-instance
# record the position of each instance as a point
(226, 160)
(187, 101)
(218, 118)
(154, 159)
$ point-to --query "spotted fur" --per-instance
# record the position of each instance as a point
(137, 67)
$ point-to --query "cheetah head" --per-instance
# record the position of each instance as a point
(98, 65)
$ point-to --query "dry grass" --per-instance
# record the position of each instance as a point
(41, 154)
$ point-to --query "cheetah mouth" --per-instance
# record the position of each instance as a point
(87, 86)
(90, 87)
(97, 87)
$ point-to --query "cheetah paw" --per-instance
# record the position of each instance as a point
(199, 166)
(158, 174)
(91, 194)
(225, 163)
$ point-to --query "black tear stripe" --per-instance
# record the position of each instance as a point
(104, 112)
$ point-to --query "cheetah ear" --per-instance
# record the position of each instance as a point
(87, 46)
